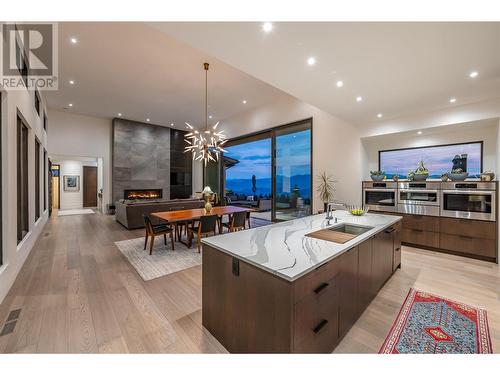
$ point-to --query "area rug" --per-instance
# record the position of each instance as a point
(430, 324)
(85, 211)
(163, 262)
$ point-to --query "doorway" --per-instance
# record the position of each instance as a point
(55, 172)
(89, 186)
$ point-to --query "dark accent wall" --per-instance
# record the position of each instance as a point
(147, 156)
(181, 166)
(141, 157)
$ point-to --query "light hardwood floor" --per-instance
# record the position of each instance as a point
(78, 294)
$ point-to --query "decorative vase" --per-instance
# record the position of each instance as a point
(208, 206)
(395, 178)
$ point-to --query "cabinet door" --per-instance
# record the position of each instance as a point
(397, 248)
(349, 308)
(383, 250)
(365, 290)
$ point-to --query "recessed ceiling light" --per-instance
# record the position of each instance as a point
(244, 101)
(379, 115)
(148, 120)
(267, 27)
(340, 83)
(70, 105)
(119, 115)
(453, 100)
(473, 74)
(73, 40)
(71, 82)
(311, 61)
(172, 124)
(210, 116)
(419, 132)
(359, 98)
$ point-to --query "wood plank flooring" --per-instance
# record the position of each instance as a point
(78, 294)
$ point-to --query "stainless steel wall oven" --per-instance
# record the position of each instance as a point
(469, 200)
(380, 196)
(420, 198)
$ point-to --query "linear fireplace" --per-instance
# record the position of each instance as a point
(143, 193)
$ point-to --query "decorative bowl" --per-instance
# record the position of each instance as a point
(458, 176)
(357, 211)
(377, 177)
(420, 177)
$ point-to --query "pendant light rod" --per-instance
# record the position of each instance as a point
(206, 65)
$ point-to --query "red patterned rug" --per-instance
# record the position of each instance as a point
(430, 324)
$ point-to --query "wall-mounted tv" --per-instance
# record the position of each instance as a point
(437, 159)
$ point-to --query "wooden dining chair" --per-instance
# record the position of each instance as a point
(157, 230)
(236, 222)
(205, 226)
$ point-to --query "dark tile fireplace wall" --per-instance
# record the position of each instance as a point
(142, 158)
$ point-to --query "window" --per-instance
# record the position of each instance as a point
(21, 62)
(45, 179)
(248, 178)
(1, 184)
(22, 180)
(437, 159)
(37, 179)
(37, 102)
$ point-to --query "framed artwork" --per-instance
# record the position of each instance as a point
(438, 159)
(71, 183)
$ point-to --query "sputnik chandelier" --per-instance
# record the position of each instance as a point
(205, 144)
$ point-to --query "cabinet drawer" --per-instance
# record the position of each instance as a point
(469, 228)
(314, 281)
(419, 222)
(420, 237)
(468, 245)
(316, 321)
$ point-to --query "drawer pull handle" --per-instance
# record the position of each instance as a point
(320, 326)
(397, 249)
(390, 230)
(320, 288)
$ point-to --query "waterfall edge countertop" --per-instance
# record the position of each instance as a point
(284, 250)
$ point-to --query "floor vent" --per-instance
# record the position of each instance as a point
(11, 322)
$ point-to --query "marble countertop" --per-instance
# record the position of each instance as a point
(284, 250)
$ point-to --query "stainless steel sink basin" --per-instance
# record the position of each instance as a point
(352, 229)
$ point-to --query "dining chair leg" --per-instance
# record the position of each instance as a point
(146, 241)
(172, 240)
(151, 245)
(165, 239)
(190, 239)
(199, 244)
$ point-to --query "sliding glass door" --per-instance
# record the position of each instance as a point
(292, 190)
(270, 172)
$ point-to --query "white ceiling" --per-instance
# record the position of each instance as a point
(136, 70)
(398, 68)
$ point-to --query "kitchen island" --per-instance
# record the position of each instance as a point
(282, 289)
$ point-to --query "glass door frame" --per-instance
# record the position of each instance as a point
(263, 134)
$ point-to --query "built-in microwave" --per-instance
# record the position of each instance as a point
(469, 200)
(380, 196)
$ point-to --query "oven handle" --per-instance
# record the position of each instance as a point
(384, 190)
(472, 192)
(418, 191)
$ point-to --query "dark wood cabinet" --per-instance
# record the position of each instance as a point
(365, 260)
(349, 306)
(396, 260)
(250, 310)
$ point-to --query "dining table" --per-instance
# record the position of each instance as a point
(184, 216)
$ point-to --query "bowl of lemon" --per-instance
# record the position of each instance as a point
(357, 211)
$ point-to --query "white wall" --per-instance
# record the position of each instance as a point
(485, 130)
(71, 200)
(14, 255)
(83, 136)
(336, 144)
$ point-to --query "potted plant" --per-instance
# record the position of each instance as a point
(325, 188)
(457, 174)
(420, 174)
(377, 175)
